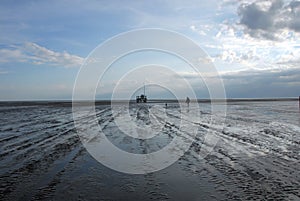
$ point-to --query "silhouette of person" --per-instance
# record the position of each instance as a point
(188, 101)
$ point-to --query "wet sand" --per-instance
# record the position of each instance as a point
(256, 157)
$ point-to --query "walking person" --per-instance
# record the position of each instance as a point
(188, 101)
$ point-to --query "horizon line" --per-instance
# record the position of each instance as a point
(158, 100)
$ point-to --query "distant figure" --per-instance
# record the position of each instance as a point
(166, 105)
(188, 101)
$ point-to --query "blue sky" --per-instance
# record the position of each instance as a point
(255, 45)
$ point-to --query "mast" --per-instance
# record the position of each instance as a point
(144, 89)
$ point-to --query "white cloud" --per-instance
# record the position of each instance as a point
(199, 31)
(8, 55)
(38, 55)
(242, 50)
(291, 57)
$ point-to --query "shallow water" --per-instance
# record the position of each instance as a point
(256, 156)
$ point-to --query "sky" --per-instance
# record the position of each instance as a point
(254, 44)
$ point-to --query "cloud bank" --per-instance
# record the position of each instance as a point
(256, 83)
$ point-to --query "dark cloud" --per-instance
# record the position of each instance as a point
(254, 18)
(263, 19)
(263, 83)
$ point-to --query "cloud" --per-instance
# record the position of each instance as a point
(38, 55)
(8, 55)
(242, 51)
(290, 58)
(270, 19)
(250, 83)
(263, 83)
